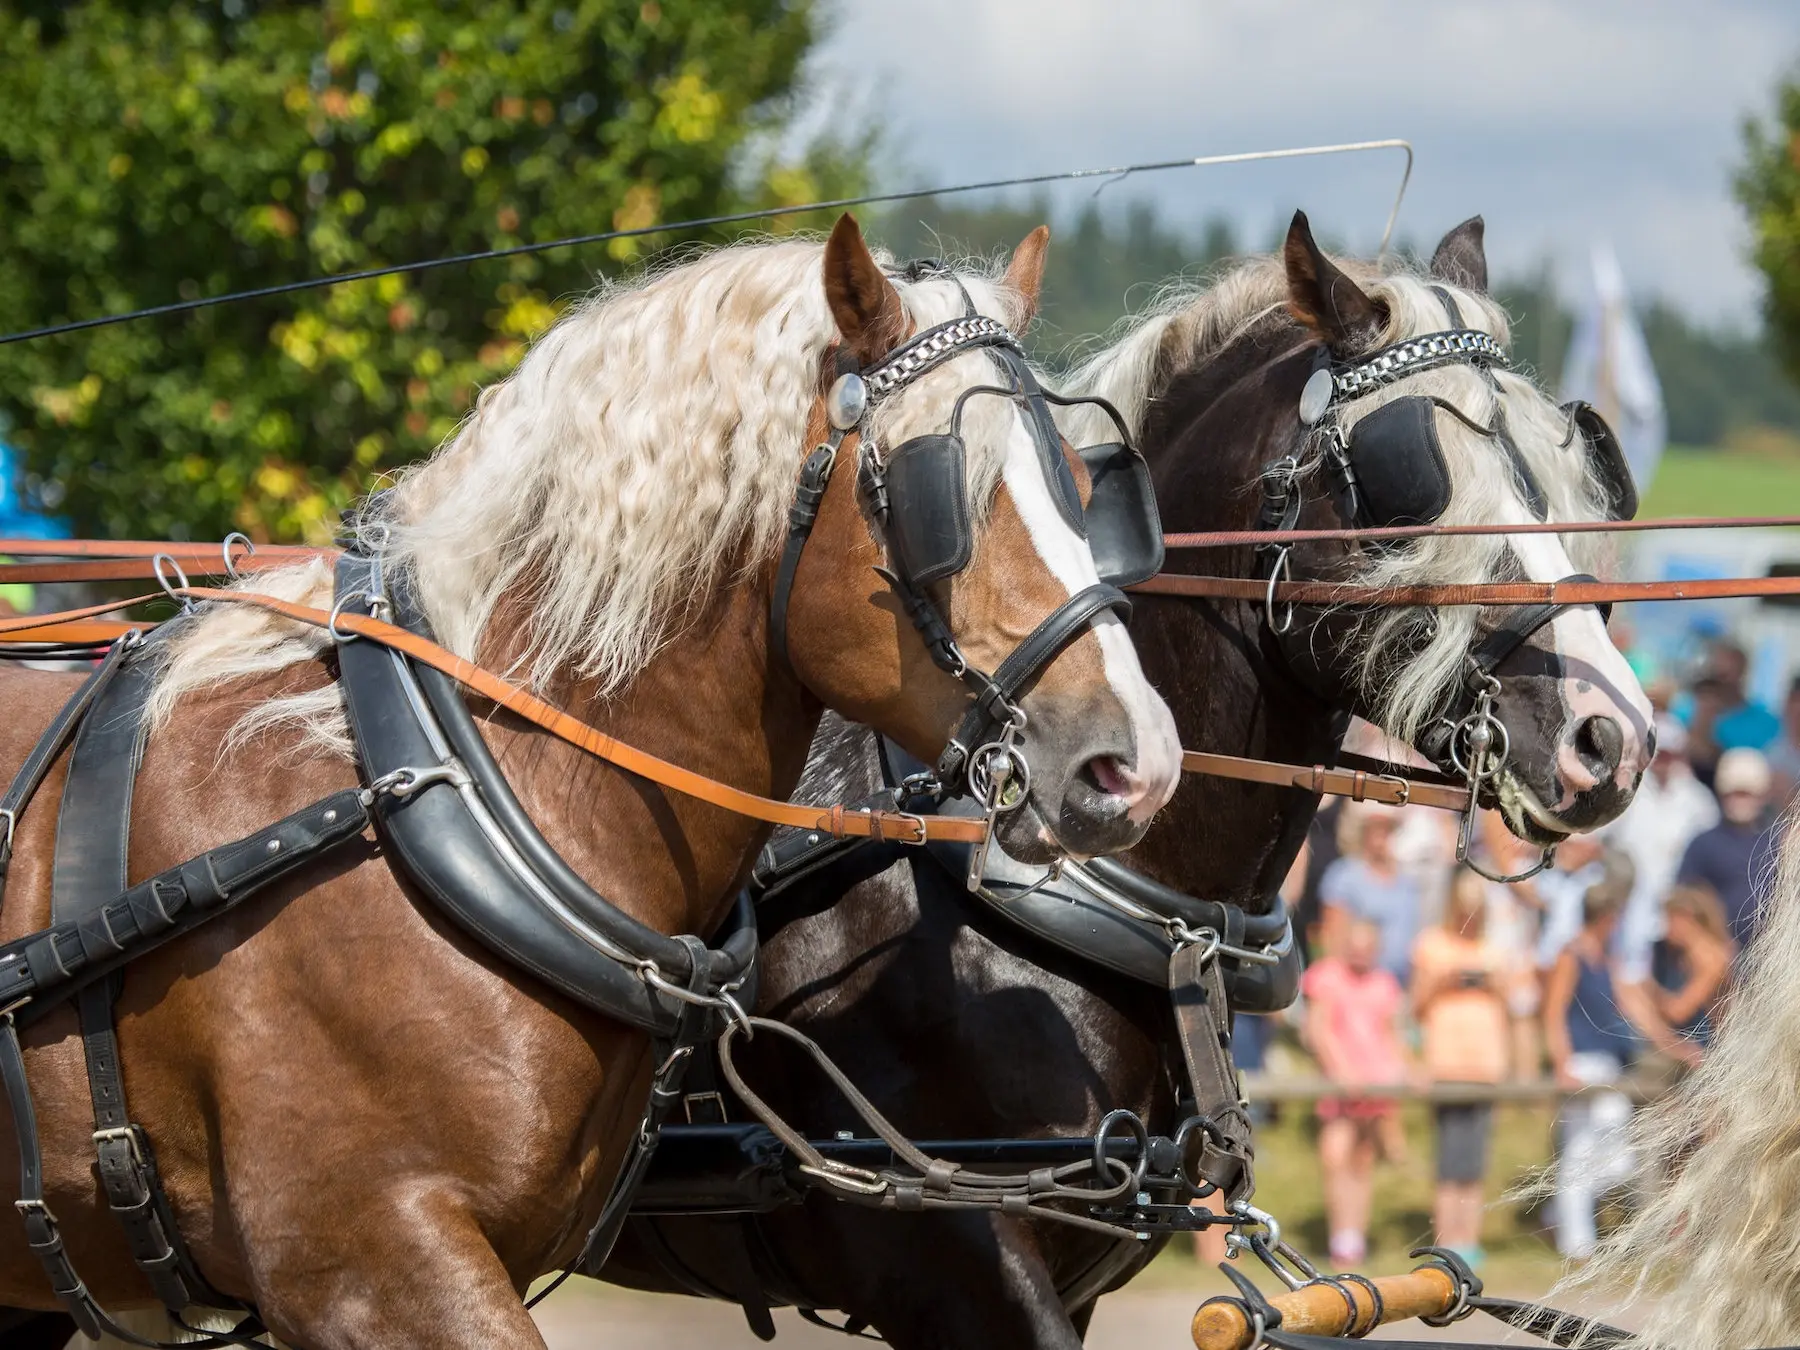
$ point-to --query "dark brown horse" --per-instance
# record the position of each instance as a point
(371, 1127)
(959, 1024)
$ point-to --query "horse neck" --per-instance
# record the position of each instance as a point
(1215, 662)
(711, 701)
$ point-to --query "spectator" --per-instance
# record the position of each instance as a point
(1670, 809)
(1509, 927)
(1580, 864)
(1735, 856)
(1459, 1000)
(1594, 1025)
(1590, 1042)
(1784, 752)
(1691, 962)
(1368, 883)
(1352, 1012)
(1742, 723)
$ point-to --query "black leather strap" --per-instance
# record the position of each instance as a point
(41, 1231)
(31, 773)
(93, 835)
(987, 715)
(815, 478)
(41, 970)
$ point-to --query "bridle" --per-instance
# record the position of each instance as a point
(916, 499)
(1388, 469)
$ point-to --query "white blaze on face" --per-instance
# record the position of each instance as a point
(1597, 680)
(1153, 779)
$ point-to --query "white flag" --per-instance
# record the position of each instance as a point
(1609, 365)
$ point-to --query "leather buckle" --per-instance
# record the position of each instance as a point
(129, 1133)
(710, 1106)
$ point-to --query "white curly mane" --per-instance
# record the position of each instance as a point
(646, 445)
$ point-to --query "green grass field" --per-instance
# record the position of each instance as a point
(1724, 482)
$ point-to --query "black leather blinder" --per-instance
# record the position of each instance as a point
(928, 523)
(1123, 528)
(1394, 471)
(1606, 460)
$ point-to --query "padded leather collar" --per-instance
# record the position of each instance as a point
(465, 841)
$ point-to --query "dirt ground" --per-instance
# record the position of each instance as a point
(586, 1316)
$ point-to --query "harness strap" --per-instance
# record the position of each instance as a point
(1354, 783)
(31, 773)
(1427, 595)
(992, 707)
(41, 1232)
(815, 477)
(900, 827)
(1203, 1020)
(92, 846)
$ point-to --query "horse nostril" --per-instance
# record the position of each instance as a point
(1600, 743)
(1111, 775)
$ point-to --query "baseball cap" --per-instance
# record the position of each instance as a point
(1742, 770)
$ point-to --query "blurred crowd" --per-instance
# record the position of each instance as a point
(1613, 962)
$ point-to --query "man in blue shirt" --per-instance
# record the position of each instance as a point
(1735, 856)
(1367, 883)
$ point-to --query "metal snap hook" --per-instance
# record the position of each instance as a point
(236, 536)
(173, 591)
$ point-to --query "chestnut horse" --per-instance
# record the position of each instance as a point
(373, 1129)
(959, 1024)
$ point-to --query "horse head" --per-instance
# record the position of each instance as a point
(948, 594)
(1352, 395)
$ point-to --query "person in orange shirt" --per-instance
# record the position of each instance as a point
(1459, 1000)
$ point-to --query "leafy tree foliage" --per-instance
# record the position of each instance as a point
(1768, 186)
(155, 151)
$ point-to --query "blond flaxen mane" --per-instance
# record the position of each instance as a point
(645, 448)
(1190, 325)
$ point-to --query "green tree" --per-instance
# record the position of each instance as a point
(1768, 187)
(150, 152)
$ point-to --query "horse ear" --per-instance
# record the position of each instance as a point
(1025, 273)
(1461, 257)
(863, 301)
(1323, 298)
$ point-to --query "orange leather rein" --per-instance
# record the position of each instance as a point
(98, 560)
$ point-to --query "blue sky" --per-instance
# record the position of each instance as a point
(1565, 125)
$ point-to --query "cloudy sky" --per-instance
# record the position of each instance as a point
(1564, 124)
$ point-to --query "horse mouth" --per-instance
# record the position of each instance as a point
(1525, 813)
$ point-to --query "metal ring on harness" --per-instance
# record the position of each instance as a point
(1141, 1132)
(376, 602)
(987, 783)
(181, 581)
(1479, 727)
(225, 552)
(1197, 1190)
(1286, 625)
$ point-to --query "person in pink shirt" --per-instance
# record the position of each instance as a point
(1353, 1008)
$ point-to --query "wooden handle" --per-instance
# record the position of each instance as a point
(1321, 1310)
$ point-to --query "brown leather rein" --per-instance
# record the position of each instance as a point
(99, 560)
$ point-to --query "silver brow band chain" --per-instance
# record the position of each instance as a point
(932, 348)
(1466, 346)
